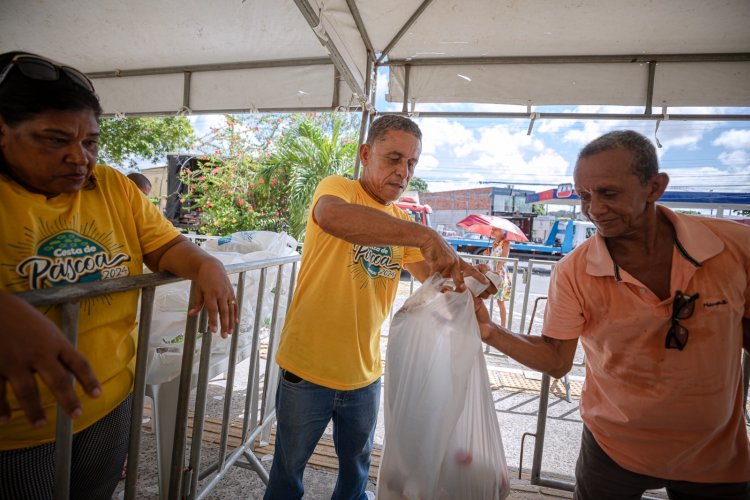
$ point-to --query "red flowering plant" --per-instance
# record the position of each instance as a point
(225, 189)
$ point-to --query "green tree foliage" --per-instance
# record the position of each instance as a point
(259, 172)
(539, 209)
(226, 189)
(124, 141)
(417, 184)
(314, 147)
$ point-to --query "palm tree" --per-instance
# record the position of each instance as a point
(314, 149)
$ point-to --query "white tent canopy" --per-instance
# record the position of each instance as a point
(169, 56)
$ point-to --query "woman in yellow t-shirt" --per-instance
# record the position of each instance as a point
(68, 220)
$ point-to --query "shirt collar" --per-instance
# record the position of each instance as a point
(694, 241)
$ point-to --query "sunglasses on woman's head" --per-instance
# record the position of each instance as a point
(39, 68)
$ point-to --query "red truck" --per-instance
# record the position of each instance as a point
(419, 213)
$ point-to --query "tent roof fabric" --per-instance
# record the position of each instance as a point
(234, 55)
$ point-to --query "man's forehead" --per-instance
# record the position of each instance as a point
(405, 144)
(605, 163)
(590, 180)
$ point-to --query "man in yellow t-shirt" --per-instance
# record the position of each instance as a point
(357, 241)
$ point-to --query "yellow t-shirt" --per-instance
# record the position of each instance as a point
(331, 335)
(97, 233)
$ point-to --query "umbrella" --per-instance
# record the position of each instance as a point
(483, 224)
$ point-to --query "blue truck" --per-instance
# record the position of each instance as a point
(563, 237)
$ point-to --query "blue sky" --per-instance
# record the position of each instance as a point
(699, 156)
(474, 152)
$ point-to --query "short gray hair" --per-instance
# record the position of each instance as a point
(382, 125)
(645, 162)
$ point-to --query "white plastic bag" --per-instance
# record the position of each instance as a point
(279, 244)
(171, 302)
(442, 438)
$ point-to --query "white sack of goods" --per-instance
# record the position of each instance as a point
(442, 438)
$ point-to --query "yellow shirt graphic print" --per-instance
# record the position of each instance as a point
(371, 263)
(69, 257)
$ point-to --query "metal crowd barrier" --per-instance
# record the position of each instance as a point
(541, 425)
(492, 262)
(259, 410)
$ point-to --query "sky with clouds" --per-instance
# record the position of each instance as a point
(473, 152)
(479, 152)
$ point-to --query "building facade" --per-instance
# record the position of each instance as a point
(449, 207)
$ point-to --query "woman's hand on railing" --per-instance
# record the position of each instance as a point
(215, 292)
(34, 345)
(213, 289)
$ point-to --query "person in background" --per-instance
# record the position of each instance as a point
(68, 220)
(356, 244)
(661, 304)
(501, 248)
(141, 181)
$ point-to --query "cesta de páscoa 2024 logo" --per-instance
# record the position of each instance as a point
(68, 257)
(374, 262)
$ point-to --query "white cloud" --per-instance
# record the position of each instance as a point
(462, 153)
(504, 153)
(426, 164)
(202, 124)
(734, 139)
(736, 158)
(670, 134)
(440, 132)
(734, 179)
(553, 126)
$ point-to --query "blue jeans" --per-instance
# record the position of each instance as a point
(303, 410)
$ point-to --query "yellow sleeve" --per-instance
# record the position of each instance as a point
(154, 230)
(334, 185)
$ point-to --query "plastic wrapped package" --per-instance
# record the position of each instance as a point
(171, 305)
(442, 438)
(278, 244)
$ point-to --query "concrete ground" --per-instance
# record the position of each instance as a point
(516, 412)
(516, 397)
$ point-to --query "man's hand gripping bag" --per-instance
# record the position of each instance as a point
(442, 438)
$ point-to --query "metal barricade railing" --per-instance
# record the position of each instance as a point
(489, 259)
(258, 414)
(541, 422)
(536, 476)
(528, 273)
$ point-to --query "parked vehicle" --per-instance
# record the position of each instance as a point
(564, 236)
(419, 213)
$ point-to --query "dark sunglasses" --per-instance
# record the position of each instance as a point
(39, 68)
(683, 307)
